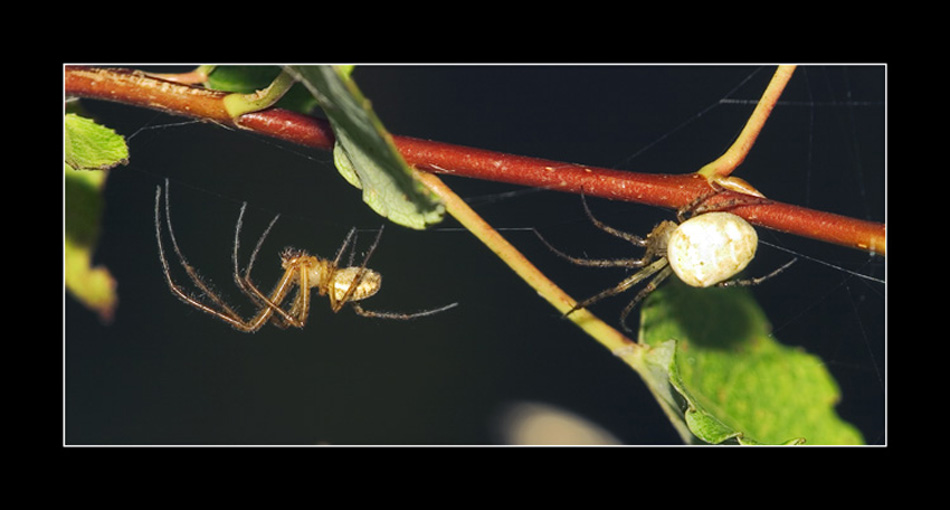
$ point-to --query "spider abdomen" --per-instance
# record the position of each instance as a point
(342, 280)
(711, 248)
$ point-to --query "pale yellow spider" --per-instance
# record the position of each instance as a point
(343, 285)
(703, 251)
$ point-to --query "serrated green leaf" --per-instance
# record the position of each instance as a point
(90, 146)
(734, 380)
(366, 151)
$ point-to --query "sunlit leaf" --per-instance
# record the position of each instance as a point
(89, 146)
(365, 152)
(733, 380)
(93, 286)
(89, 149)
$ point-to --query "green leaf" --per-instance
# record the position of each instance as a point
(733, 380)
(365, 152)
(243, 79)
(89, 149)
(89, 146)
(93, 286)
(249, 79)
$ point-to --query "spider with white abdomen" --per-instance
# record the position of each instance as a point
(703, 251)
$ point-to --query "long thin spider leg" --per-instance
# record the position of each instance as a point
(257, 247)
(399, 316)
(189, 269)
(693, 206)
(697, 206)
(755, 281)
(372, 248)
(234, 254)
(635, 240)
(650, 287)
(234, 320)
(245, 282)
(346, 242)
(630, 281)
(352, 250)
(590, 262)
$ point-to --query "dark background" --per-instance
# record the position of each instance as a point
(164, 373)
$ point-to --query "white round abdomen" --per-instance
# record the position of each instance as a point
(711, 248)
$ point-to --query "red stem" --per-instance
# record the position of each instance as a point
(673, 191)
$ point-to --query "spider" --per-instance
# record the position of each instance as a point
(343, 285)
(703, 251)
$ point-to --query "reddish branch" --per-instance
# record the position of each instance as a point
(674, 191)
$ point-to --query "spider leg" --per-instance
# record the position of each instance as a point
(372, 248)
(635, 240)
(346, 242)
(298, 311)
(297, 315)
(189, 269)
(398, 316)
(337, 304)
(591, 262)
(692, 207)
(650, 287)
(755, 281)
(621, 287)
(257, 248)
(227, 315)
(244, 282)
(697, 206)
